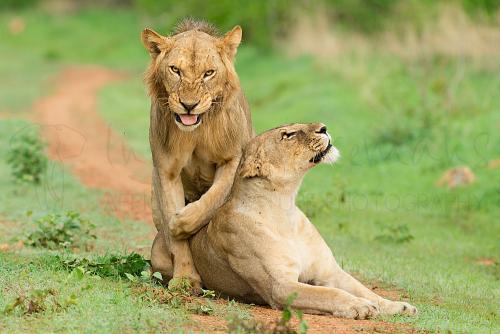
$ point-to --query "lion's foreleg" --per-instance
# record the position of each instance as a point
(197, 214)
(171, 199)
(342, 280)
(275, 278)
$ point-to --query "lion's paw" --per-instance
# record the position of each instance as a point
(184, 223)
(359, 308)
(390, 307)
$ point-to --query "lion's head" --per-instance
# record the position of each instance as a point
(192, 71)
(287, 152)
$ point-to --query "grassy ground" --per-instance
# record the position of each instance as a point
(399, 125)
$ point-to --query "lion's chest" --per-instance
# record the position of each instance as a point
(198, 176)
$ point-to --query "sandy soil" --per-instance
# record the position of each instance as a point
(79, 138)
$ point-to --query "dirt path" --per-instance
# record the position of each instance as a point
(79, 138)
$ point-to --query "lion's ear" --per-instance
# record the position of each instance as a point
(254, 165)
(153, 42)
(231, 41)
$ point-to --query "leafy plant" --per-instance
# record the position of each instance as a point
(112, 265)
(137, 270)
(26, 157)
(395, 234)
(38, 301)
(238, 325)
(55, 231)
(146, 276)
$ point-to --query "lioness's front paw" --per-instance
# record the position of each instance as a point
(358, 308)
(390, 307)
(184, 223)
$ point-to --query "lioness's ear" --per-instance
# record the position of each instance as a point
(153, 42)
(231, 41)
(253, 165)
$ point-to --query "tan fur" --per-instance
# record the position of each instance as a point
(194, 66)
(260, 247)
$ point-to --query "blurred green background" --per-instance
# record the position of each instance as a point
(410, 91)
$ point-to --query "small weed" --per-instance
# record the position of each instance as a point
(207, 293)
(238, 325)
(132, 266)
(395, 234)
(26, 158)
(39, 301)
(55, 231)
(177, 295)
(200, 306)
(161, 295)
(52, 55)
(146, 276)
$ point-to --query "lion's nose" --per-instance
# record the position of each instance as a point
(322, 130)
(189, 106)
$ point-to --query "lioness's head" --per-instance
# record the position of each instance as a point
(287, 152)
(192, 70)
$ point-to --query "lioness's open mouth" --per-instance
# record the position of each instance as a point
(188, 120)
(319, 156)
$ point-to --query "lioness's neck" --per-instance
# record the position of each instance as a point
(253, 191)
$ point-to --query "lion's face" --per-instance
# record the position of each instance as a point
(287, 152)
(195, 69)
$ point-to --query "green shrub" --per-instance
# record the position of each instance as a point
(17, 4)
(26, 157)
(363, 15)
(109, 265)
(55, 231)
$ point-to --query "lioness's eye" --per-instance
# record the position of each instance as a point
(208, 73)
(288, 135)
(175, 69)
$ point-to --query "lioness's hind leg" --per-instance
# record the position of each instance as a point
(161, 258)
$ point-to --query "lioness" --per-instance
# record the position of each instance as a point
(199, 123)
(260, 247)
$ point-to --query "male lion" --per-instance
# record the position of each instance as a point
(200, 121)
(260, 247)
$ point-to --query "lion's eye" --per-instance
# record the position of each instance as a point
(175, 70)
(208, 73)
(288, 135)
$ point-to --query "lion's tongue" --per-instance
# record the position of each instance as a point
(188, 119)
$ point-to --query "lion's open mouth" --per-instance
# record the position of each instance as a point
(188, 120)
(319, 156)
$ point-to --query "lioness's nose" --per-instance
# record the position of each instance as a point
(322, 130)
(189, 106)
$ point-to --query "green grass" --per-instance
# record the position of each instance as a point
(399, 125)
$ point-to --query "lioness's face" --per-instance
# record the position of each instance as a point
(302, 146)
(287, 152)
(194, 69)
